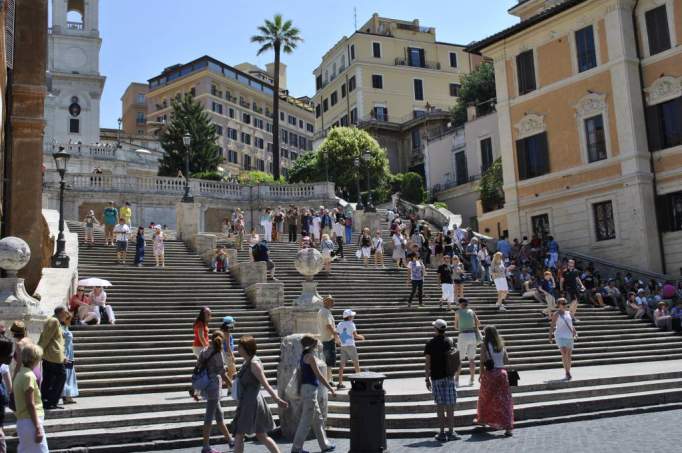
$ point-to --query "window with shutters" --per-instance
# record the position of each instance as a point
(669, 208)
(585, 48)
(418, 90)
(461, 172)
(318, 82)
(354, 116)
(604, 224)
(486, 153)
(453, 59)
(377, 81)
(246, 118)
(344, 121)
(657, 30)
(245, 138)
(318, 111)
(325, 105)
(540, 225)
(285, 137)
(664, 123)
(532, 156)
(351, 84)
(247, 162)
(454, 89)
(525, 72)
(595, 139)
(334, 98)
(415, 57)
(218, 130)
(343, 90)
(380, 113)
(352, 51)
(376, 49)
(74, 126)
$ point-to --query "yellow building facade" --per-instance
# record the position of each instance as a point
(589, 101)
(134, 109)
(239, 101)
(394, 79)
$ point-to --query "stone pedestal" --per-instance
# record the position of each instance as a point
(266, 296)
(248, 274)
(187, 220)
(204, 245)
(294, 320)
(309, 296)
(232, 256)
(290, 356)
(362, 219)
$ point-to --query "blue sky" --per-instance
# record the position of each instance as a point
(141, 37)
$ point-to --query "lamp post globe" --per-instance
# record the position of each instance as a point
(61, 161)
(187, 141)
(356, 164)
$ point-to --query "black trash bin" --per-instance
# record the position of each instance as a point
(367, 413)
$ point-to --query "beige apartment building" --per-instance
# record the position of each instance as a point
(134, 109)
(239, 102)
(394, 79)
(589, 101)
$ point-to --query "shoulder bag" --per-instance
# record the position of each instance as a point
(452, 360)
(200, 378)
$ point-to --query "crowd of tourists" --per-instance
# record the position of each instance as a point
(35, 377)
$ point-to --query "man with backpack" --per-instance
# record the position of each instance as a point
(442, 363)
(261, 252)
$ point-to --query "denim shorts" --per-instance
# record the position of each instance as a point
(564, 342)
(329, 350)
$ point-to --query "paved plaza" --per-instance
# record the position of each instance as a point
(603, 435)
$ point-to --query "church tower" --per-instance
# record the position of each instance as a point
(74, 82)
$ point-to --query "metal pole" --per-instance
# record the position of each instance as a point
(368, 206)
(357, 182)
(187, 198)
(60, 259)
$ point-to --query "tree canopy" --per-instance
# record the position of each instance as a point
(477, 88)
(336, 156)
(189, 116)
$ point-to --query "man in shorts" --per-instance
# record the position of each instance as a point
(439, 382)
(110, 219)
(468, 326)
(571, 285)
(328, 335)
(121, 231)
(261, 252)
(447, 288)
(348, 335)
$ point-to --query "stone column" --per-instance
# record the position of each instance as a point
(23, 201)
(289, 359)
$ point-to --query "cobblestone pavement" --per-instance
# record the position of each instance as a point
(659, 432)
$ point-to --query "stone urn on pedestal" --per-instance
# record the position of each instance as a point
(308, 262)
(15, 302)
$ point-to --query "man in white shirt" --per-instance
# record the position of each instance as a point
(348, 335)
(121, 232)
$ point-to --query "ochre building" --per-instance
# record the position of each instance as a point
(394, 79)
(589, 100)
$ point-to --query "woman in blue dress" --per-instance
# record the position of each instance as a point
(71, 385)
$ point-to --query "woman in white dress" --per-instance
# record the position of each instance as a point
(315, 231)
(266, 223)
(499, 274)
(398, 248)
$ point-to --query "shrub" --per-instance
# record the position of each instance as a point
(208, 175)
(412, 188)
(490, 186)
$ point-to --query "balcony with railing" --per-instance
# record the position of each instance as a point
(417, 63)
(79, 26)
(244, 103)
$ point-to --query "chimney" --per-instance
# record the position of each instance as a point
(270, 69)
(471, 112)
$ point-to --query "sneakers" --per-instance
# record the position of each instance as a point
(453, 436)
(331, 447)
(442, 437)
(502, 308)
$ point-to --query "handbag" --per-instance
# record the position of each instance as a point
(513, 377)
(200, 377)
(358, 253)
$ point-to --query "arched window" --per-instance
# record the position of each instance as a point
(75, 15)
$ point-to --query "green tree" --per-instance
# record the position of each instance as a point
(189, 116)
(256, 177)
(336, 157)
(490, 187)
(477, 88)
(412, 188)
(279, 36)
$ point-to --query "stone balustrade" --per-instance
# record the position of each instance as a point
(89, 182)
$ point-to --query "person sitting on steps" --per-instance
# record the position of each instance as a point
(220, 262)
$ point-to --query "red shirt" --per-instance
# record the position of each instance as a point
(200, 331)
(75, 302)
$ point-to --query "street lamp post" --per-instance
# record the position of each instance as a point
(187, 141)
(356, 163)
(369, 207)
(60, 258)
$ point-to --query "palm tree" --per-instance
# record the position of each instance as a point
(277, 35)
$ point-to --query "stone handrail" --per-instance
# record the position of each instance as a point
(90, 182)
(438, 217)
(609, 268)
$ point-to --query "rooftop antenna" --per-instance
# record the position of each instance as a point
(355, 18)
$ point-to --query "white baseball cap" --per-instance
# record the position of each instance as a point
(440, 324)
(348, 313)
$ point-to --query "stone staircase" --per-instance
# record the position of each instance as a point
(133, 376)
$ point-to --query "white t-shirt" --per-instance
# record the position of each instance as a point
(345, 329)
(324, 319)
(122, 232)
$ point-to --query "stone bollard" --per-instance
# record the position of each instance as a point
(290, 356)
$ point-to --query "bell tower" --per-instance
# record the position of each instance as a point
(74, 82)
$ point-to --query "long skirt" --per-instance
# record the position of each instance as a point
(495, 406)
